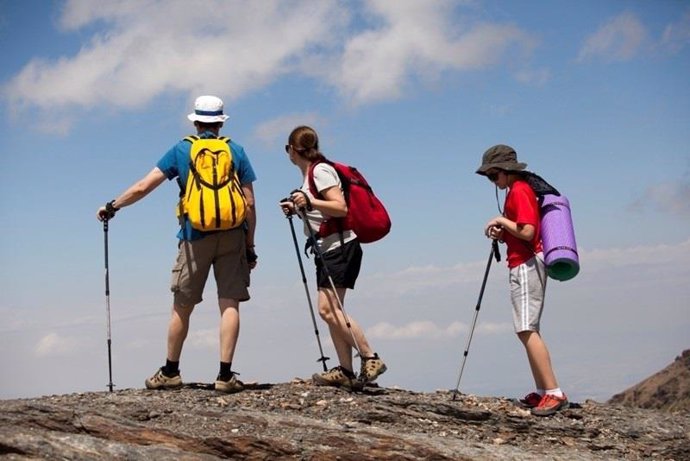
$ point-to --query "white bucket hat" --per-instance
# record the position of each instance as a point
(208, 109)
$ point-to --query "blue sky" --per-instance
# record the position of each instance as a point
(593, 95)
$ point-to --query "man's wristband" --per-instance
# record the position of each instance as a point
(110, 208)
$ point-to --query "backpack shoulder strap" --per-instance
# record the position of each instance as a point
(310, 178)
(191, 139)
(233, 164)
(337, 222)
(339, 170)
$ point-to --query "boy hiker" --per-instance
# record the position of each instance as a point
(227, 246)
(519, 228)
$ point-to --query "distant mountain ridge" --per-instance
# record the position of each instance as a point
(668, 389)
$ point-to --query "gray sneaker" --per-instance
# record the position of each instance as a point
(336, 376)
(161, 381)
(372, 368)
(230, 386)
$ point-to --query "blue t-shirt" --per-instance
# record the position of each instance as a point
(175, 164)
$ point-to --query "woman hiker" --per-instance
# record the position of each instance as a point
(339, 257)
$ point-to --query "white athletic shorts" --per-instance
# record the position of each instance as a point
(527, 289)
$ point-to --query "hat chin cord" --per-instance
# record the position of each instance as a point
(498, 203)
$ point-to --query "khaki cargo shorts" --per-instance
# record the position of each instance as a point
(225, 251)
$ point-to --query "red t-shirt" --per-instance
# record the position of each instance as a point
(522, 207)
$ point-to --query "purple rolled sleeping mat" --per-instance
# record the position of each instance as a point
(558, 238)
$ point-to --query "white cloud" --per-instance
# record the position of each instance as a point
(421, 279)
(417, 329)
(232, 48)
(618, 40)
(494, 328)
(499, 110)
(416, 40)
(670, 197)
(204, 339)
(271, 131)
(14, 320)
(223, 47)
(677, 35)
(53, 345)
(602, 270)
(426, 329)
(652, 255)
(533, 76)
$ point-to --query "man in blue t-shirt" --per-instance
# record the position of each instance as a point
(230, 252)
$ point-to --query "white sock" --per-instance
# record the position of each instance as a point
(541, 392)
(555, 392)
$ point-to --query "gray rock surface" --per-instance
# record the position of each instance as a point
(301, 421)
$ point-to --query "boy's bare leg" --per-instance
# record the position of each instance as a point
(539, 360)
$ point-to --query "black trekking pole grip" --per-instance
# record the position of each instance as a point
(308, 206)
(496, 251)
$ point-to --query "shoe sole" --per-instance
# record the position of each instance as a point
(319, 381)
(228, 391)
(162, 386)
(232, 390)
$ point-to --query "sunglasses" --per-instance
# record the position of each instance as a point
(492, 176)
(296, 149)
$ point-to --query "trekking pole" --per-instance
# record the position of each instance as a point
(306, 289)
(493, 254)
(107, 305)
(319, 255)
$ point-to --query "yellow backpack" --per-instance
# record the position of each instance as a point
(213, 198)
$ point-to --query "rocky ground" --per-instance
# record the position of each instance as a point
(301, 421)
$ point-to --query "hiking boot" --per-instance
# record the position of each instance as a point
(230, 385)
(372, 368)
(162, 381)
(336, 376)
(531, 400)
(550, 404)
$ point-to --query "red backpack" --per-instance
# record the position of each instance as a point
(366, 215)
